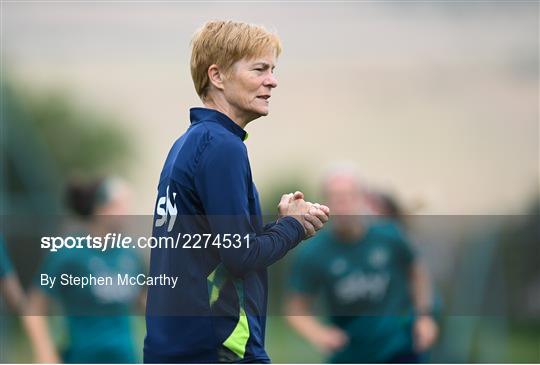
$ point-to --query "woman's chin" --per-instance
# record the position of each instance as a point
(254, 113)
(263, 111)
(259, 112)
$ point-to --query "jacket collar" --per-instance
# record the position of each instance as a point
(211, 115)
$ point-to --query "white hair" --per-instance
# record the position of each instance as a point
(344, 168)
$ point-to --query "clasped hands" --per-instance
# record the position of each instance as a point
(312, 216)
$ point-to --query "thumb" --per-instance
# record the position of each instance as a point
(298, 195)
(285, 199)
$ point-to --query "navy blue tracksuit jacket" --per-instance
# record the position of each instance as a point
(216, 313)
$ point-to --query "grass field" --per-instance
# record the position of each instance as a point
(521, 342)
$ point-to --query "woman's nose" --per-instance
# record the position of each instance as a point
(271, 81)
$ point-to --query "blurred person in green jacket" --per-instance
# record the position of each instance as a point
(12, 295)
(377, 295)
(11, 289)
(97, 316)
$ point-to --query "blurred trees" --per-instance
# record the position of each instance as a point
(45, 138)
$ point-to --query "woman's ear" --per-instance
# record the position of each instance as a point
(215, 76)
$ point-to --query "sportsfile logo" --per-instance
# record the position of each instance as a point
(165, 208)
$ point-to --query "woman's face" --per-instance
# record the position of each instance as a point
(248, 86)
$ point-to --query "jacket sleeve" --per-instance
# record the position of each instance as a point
(222, 181)
(268, 226)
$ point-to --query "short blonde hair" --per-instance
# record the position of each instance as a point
(223, 43)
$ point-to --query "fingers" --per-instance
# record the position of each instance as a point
(325, 209)
(310, 230)
(285, 199)
(317, 212)
(314, 220)
(312, 215)
(284, 202)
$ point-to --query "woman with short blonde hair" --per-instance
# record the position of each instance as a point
(217, 313)
(224, 43)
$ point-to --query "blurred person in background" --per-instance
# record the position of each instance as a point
(219, 314)
(385, 205)
(377, 294)
(97, 316)
(11, 293)
(10, 287)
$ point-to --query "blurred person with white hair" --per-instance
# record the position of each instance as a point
(377, 294)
